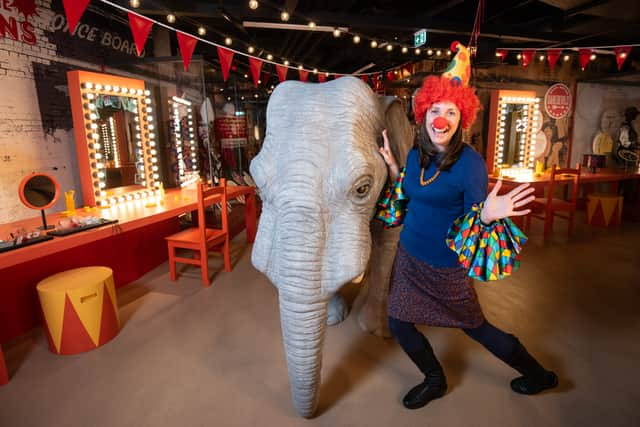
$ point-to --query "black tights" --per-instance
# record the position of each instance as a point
(499, 343)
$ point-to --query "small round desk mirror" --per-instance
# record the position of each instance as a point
(39, 191)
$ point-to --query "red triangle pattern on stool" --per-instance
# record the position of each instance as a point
(109, 325)
(4, 374)
(75, 338)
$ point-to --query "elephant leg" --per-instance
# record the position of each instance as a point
(338, 310)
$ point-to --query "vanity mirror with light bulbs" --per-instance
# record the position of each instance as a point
(115, 137)
(184, 148)
(514, 122)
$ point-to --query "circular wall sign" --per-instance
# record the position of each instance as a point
(557, 101)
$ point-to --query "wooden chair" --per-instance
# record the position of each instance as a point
(202, 239)
(546, 208)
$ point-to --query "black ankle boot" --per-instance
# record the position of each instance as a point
(433, 387)
(434, 384)
(534, 377)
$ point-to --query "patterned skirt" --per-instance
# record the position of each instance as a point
(423, 294)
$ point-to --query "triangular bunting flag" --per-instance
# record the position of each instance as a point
(322, 77)
(225, 56)
(304, 75)
(255, 64)
(187, 45)
(527, 56)
(74, 10)
(621, 54)
(585, 57)
(140, 28)
(365, 78)
(502, 54)
(552, 57)
(282, 72)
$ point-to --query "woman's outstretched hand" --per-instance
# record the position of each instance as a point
(498, 207)
(387, 155)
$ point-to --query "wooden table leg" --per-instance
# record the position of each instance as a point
(251, 217)
(4, 374)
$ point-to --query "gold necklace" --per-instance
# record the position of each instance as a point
(430, 180)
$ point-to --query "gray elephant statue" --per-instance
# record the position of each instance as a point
(320, 175)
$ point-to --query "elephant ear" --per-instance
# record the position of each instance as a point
(399, 129)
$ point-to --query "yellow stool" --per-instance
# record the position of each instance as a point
(80, 309)
(604, 210)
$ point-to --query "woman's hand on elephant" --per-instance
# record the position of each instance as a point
(498, 207)
(388, 157)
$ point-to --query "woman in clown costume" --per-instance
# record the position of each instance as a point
(446, 180)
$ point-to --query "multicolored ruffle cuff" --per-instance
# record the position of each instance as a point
(392, 206)
(489, 252)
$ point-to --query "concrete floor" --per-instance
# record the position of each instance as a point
(190, 356)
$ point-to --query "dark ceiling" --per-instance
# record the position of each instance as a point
(511, 23)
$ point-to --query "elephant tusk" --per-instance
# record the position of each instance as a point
(359, 278)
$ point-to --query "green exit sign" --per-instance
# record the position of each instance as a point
(419, 38)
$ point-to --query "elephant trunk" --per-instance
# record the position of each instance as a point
(303, 330)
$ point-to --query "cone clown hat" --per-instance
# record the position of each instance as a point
(451, 86)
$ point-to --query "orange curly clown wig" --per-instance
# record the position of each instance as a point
(438, 89)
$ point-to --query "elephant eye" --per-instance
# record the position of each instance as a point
(363, 190)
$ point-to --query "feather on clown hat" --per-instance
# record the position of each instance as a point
(452, 86)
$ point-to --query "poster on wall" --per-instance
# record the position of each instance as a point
(232, 139)
(557, 101)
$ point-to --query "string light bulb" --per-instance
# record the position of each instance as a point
(202, 31)
(438, 52)
(389, 47)
(405, 49)
(374, 44)
(356, 39)
(566, 57)
(269, 57)
(286, 62)
(593, 56)
(417, 51)
(171, 18)
(253, 4)
(134, 3)
(430, 52)
(336, 33)
(312, 24)
(251, 49)
(228, 41)
(284, 16)
(623, 54)
(541, 57)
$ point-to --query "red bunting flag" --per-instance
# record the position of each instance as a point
(225, 56)
(304, 75)
(622, 52)
(282, 72)
(255, 64)
(585, 57)
(527, 56)
(338, 76)
(502, 54)
(391, 76)
(365, 78)
(140, 28)
(552, 57)
(187, 45)
(74, 10)
(322, 77)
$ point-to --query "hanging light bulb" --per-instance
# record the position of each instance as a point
(566, 57)
(253, 4)
(438, 52)
(202, 31)
(284, 16)
(336, 33)
(134, 3)
(389, 47)
(448, 52)
(405, 49)
(430, 52)
(227, 41)
(286, 62)
(374, 44)
(541, 57)
(417, 51)
(251, 49)
(356, 39)
(269, 57)
(171, 18)
(593, 56)
(312, 24)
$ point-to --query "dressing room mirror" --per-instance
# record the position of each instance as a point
(114, 128)
(39, 191)
(515, 117)
(185, 168)
(116, 119)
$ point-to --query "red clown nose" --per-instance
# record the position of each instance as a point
(440, 123)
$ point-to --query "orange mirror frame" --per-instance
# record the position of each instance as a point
(84, 87)
(498, 136)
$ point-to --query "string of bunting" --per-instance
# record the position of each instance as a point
(585, 54)
(141, 27)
